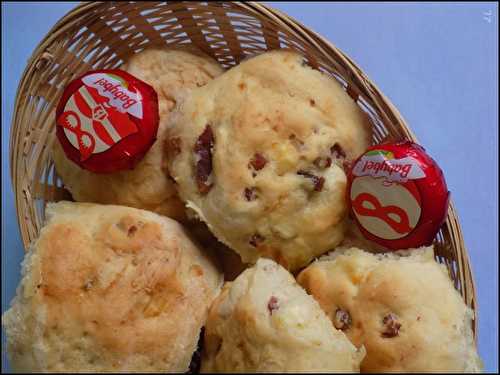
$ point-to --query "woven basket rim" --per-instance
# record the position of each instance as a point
(295, 27)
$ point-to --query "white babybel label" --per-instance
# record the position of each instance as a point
(387, 211)
(119, 97)
(86, 123)
(378, 165)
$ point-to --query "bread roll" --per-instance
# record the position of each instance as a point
(109, 288)
(258, 154)
(265, 322)
(401, 306)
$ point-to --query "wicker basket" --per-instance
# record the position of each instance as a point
(102, 34)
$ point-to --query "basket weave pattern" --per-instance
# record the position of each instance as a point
(101, 35)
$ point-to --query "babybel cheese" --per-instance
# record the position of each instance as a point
(397, 195)
(107, 120)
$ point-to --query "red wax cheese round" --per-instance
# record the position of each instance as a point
(107, 120)
(397, 195)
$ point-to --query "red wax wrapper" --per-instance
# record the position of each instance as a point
(397, 195)
(107, 120)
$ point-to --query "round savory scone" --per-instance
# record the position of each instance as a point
(265, 322)
(258, 154)
(109, 288)
(172, 73)
(401, 306)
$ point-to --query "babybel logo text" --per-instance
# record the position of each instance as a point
(399, 170)
(119, 97)
(118, 94)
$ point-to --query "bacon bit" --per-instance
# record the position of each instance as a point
(250, 194)
(342, 319)
(318, 182)
(131, 231)
(392, 326)
(337, 151)
(203, 151)
(256, 239)
(272, 304)
(257, 162)
(173, 147)
(322, 163)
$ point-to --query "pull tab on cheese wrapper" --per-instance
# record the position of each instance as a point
(397, 195)
(107, 120)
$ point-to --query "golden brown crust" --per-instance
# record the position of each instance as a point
(264, 322)
(111, 289)
(258, 162)
(402, 307)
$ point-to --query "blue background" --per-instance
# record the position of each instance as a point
(437, 62)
